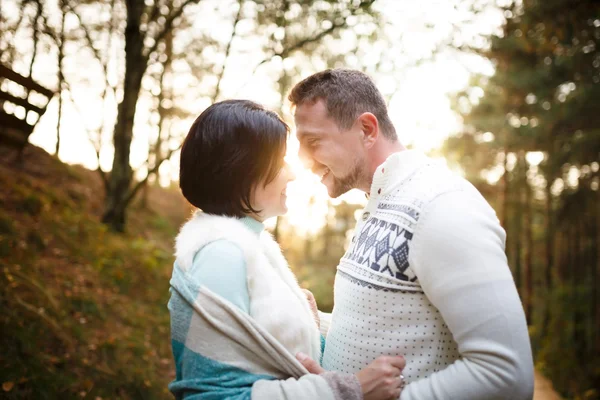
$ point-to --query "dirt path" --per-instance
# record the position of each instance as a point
(543, 389)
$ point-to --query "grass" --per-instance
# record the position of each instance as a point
(83, 309)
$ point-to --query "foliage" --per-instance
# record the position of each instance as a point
(314, 257)
(84, 310)
(532, 145)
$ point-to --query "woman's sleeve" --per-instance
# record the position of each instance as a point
(327, 386)
(220, 266)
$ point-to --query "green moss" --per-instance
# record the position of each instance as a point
(6, 225)
(31, 205)
(5, 247)
(94, 319)
(35, 240)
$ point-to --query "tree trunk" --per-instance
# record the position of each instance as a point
(517, 254)
(505, 191)
(120, 178)
(164, 133)
(576, 284)
(595, 283)
(61, 56)
(36, 20)
(508, 246)
(528, 254)
(549, 255)
(517, 223)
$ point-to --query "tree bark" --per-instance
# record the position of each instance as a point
(61, 56)
(528, 254)
(595, 283)
(122, 173)
(505, 190)
(36, 19)
(549, 254)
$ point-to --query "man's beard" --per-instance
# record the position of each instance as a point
(348, 182)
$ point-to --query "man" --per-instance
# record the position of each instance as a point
(425, 276)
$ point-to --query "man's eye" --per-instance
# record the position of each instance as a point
(312, 142)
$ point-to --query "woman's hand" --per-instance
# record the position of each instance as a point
(382, 379)
(313, 305)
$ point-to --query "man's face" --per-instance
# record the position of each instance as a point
(337, 156)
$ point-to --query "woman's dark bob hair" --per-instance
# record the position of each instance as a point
(232, 146)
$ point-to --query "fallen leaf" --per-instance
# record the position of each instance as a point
(7, 386)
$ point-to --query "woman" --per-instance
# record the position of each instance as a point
(238, 316)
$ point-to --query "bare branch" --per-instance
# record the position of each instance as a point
(107, 85)
(88, 37)
(36, 20)
(152, 171)
(155, 12)
(11, 50)
(97, 147)
(300, 44)
(168, 26)
(237, 19)
(60, 59)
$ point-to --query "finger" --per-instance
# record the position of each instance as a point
(401, 382)
(309, 296)
(311, 365)
(398, 362)
(396, 394)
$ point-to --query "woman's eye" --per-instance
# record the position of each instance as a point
(313, 142)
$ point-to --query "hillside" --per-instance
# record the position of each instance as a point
(83, 310)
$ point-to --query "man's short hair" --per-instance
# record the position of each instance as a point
(347, 94)
(232, 146)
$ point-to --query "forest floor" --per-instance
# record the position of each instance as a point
(86, 314)
(543, 389)
(83, 309)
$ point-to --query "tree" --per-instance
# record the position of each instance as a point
(138, 55)
(539, 106)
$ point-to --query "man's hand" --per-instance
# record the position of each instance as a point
(380, 380)
(313, 305)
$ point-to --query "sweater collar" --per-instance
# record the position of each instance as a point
(255, 226)
(397, 167)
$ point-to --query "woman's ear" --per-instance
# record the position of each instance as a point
(369, 127)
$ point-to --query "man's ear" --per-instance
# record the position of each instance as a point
(370, 128)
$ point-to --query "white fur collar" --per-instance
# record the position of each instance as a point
(202, 229)
(276, 300)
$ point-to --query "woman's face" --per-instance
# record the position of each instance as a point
(270, 199)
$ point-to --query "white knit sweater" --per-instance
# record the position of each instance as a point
(426, 277)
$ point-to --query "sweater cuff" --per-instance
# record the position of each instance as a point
(343, 386)
(324, 322)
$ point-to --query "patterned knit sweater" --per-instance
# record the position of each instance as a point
(426, 277)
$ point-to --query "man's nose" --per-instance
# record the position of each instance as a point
(305, 158)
